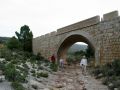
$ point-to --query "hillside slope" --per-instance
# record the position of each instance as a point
(77, 47)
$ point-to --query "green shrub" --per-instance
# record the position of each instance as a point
(13, 75)
(40, 67)
(116, 83)
(5, 53)
(21, 78)
(14, 61)
(42, 74)
(32, 71)
(13, 43)
(28, 54)
(105, 81)
(10, 72)
(22, 70)
(111, 74)
(116, 67)
(70, 59)
(2, 66)
(2, 53)
(34, 74)
(33, 59)
(39, 57)
(17, 86)
(54, 67)
(97, 71)
(25, 66)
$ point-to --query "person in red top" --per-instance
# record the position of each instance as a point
(53, 58)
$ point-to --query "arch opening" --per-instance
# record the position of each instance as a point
(71, 40)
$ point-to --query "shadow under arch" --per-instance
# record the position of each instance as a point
(70, 39)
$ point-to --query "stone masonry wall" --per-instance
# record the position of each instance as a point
(105, 35)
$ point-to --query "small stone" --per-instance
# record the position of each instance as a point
(115, 88)
(110, 85)
(46, 89)
(70, 87)
(100, 75)
(69, 80)
(59, 85)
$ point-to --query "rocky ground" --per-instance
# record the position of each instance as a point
(69, 78)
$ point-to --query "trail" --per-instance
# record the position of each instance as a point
(71, 78)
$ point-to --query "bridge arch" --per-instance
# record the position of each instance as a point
(68, 40)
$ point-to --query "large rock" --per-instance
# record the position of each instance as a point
(37, 84)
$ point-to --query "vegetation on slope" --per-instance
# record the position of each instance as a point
(18, 63)
(109, 73)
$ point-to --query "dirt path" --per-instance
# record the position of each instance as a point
(71, 78)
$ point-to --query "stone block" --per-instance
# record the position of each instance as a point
(111, 15)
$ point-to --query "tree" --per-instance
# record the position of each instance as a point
(13, 43)
(25, 37)
(89, 52)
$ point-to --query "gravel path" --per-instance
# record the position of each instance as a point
(72, 79)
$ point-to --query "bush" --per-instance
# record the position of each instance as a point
(23, 70)
(40, 67)
(32, 71)
(27, 54)
(70, 59)
(116, 83)
(54, 67)
(14, 61)
(111, 74)
(34, 74)
(13, 43)
(42, 74)
(10, 72)
(17, 86)
(97, 71)
(39, 57)
(116, 67)
(13, 75)
(105, 81)
(33, 59)
(2, 66)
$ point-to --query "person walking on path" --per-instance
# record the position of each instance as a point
(53, 60)
(83, 65)
(61, 63)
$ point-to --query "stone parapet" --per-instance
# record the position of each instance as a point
(79, 25)
(111, 15)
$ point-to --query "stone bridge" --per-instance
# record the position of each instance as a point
(102, 35)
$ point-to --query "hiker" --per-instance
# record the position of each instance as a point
(61, 63)
(53, 59)
(83, 65)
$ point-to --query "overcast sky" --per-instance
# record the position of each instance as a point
(44, 16)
